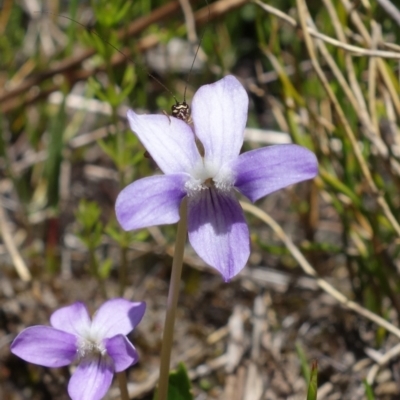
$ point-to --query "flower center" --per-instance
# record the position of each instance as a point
(88, 347)
(206, 175)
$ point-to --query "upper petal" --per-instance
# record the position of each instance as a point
(73, 319)
(44, 345)
(170, 141)
(218, 231)
(121, 350)
(263, 171)
(219, 113)
(151, 201)
(91, 379)
(117, 316)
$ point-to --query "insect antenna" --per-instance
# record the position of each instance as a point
(181, 110)
(94, 32)
(197, 51)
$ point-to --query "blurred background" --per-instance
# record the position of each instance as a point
(323, 74)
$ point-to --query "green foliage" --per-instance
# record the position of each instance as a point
(73, 11)
(11, 39)
(104, 269)
(114, 231)
(126, 156)
(91, 228)
(178, 385)
(110, 13)
(90, 232)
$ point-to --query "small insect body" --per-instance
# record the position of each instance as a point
(181, 111)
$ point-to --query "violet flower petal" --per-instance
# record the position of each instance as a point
(151, 201)
(44, 345)
(219, 113)
(121, 350)
(263, 171)
(91, 379)
(117, 316)
(218, 231)
(169, 141)
(73, 319)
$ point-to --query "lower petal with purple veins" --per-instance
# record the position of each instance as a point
(91, 379)
(151, 201)
(218, 231)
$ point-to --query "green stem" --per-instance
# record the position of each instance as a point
(172, 303)
(94, 266)
(123, 270)
(123, 385)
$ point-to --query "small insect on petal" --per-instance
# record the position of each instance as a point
(182, 111)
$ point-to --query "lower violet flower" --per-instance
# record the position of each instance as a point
(203, 164)
(100, 345)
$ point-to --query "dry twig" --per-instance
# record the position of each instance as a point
(303, 13)
(19, 263)
(356, 50)
(9, 100)
(309, 270)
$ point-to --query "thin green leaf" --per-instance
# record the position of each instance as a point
(305, 368)
(368, 390)
(313, 383)
(54, 159)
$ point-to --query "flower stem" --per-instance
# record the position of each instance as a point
(122, 385)
(123, 270)
(172, 303)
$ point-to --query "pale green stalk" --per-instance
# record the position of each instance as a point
(173, 294)
(121, 376)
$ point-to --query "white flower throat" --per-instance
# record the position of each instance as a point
(90, 344)
(206, 175)
(87, 348)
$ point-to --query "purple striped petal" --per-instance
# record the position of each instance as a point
(263, 171)
(44, 345)
(117, 316)
(218, 231)
(73, 319)
(121, 350)
(219, 113)
(91, 379)
(169, 141)
(151, 201)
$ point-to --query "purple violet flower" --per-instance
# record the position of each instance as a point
(100, 345)
(203, 164)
